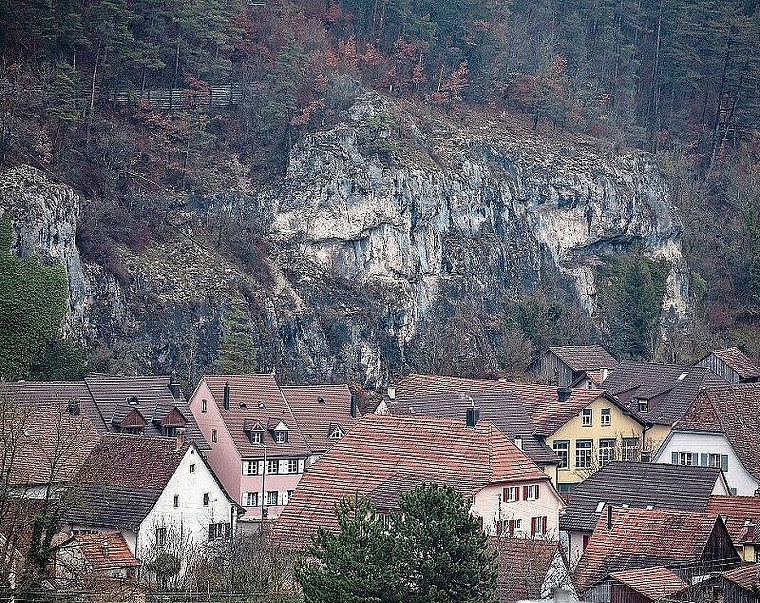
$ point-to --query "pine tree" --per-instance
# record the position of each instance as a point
(237, 352)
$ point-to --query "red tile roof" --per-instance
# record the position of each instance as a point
(584, 357)
(746, 575)
(733, 410)
(737, 510)
(318, 409)
(105, 551)
(644, 538)
(652, 582)
(257, 398)
(523, 566)
(382, 448)
(735, 359)
(54, 440)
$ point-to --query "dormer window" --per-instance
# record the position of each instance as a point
(643, 405)
(255, 437)
(336, 432)
(280, 436)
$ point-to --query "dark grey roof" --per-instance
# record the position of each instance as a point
(639, 485)
(502, 408)
(669, 388)
(111, 506)
(584, 357)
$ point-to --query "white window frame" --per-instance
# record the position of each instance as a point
(606, 452)
(250, 467)
(280, 436)
(204, 405)
(251, 499)
(512, 493)
(273, 464)
(531, 492)
(587, 417)
(605, 418)
(273, 495)
(292, 466)
(587, 453)
(562, 449)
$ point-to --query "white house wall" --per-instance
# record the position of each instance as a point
(488, 506)
(710, 443)
(191, 517)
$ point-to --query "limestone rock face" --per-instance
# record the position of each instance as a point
(377, 219)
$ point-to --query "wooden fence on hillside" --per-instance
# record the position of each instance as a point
(182, 99)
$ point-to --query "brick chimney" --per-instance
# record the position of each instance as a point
(180, 438)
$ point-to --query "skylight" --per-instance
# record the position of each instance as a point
(682, 376)
(600, 506)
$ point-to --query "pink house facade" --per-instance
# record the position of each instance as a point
(258, 448)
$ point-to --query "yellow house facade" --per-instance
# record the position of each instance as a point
(596, 431)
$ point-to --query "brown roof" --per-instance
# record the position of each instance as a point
(523, 566)
(652, 582)
(733, 410)
(257, 398)
(643, 538)
(669, 388)
(737, 510)
(735, 359)
(318, 409)
(449, 397)
(746, 575)
(584, 357)
(123, 477)
(56, 434)
(105, 551)
(383, 448)
(116, 396)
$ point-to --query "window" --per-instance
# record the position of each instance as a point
(290, 494)
(205, 499)
(218, 530)
(273, 466)
(272, 497)
(715, 460)
(160, 537)
(176, 501)
(683, 458)
(293, 466)
(251, 499)
(204, 405)
(530, 492)
(561, 449)
(250, 467)
(586, 417)
(606, 451)
(280, 437)
(583, 454)
(336, 433)
(255, 437)
(630, 449)
(192, 467)
(511, 494)
(538, 525)
(606, 418)
(508, 526)
(213, 435)
(643, 405)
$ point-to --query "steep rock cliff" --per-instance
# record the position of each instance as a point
(377, 219)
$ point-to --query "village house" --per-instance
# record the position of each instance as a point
(741, 514)
(720, 429)
(585, 366)
(157, 493)
(638, 486)
(530, 568)
(659, 394)
(384, 456)
(691, 545)
(259, 447)
(738, 585)
(732, 365)
(99, 555)
(449, 397)
(645, 585)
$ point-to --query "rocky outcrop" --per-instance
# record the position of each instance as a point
(377, 219)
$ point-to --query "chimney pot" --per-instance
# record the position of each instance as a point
(519, 441)
(609, 516)
(227, 395)
(180, 437)
(354, 405)
(473, 415)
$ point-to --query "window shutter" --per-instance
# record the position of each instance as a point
(724, 462)
(511, 527)
(703, 459)
(674, 458)
(536, 491)
(517, 492)
(532, 526)
(546, 525)
(505, 495)
(525, 492)
(695, 458)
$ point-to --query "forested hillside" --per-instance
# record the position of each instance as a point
(678, 78)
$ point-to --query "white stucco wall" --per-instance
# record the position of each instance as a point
(710, 443)
(488, 506)
(191, 518)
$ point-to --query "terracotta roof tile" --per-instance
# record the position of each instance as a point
(741, 364)
(737, 510)
(643, 538)
(670, 389)
(652, 582)
(733, 410)
(318, 409)
(105, 551)
(257, 398)
(523, 566)
(380, 447)
(746, 575)
(639, 485)
(56, 440)
(584, 357)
